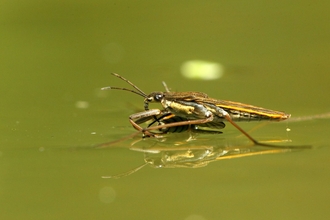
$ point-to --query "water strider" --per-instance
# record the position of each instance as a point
(197, 110)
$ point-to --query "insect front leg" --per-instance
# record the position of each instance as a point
(183, 123)
(141, 117)
(192, 113)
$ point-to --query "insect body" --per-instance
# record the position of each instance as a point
(199, 105)
(196, 109)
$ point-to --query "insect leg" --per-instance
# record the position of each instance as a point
(228, 118)
(182, 123)
(140, 117)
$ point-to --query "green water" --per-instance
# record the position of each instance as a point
(55, 57)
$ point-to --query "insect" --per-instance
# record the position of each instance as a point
(195, 109)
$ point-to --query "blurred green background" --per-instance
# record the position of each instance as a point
(56, 55)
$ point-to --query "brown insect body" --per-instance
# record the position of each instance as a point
(187, 103)
(194, 110)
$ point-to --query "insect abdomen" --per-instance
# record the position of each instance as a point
(248, 116)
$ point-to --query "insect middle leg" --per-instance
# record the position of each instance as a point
(138, 118)
(183, 123)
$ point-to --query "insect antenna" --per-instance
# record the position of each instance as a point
(166, 88)
(139, 91)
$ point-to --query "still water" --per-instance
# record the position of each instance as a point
(56, 56)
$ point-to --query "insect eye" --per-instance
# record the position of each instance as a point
(158, 97)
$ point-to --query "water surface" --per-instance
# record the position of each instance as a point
(55, 57)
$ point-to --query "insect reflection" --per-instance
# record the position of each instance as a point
(192, 154)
